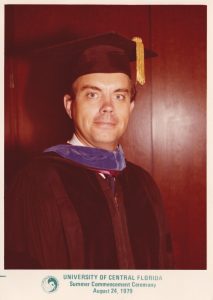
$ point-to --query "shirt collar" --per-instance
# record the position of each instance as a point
(75, 141)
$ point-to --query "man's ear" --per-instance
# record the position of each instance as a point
(132, 105)
(68, 105)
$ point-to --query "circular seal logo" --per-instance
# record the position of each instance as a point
(50, 284)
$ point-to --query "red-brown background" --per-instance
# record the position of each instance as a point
(167, 132)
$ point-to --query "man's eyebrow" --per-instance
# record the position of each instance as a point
(92, 87)
(123, 90)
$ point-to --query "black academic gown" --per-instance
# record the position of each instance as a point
(61, 215)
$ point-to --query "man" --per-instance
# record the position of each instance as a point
(81, 205)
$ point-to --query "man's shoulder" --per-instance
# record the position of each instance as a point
(46, 164)
(140, 177)
(137, 170)
(44, 172)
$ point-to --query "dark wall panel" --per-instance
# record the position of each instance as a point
(179, 138)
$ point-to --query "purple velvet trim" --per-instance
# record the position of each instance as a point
(95, 158)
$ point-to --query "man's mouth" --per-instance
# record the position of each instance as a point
(106, 124)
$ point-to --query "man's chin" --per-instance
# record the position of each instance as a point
(105, 144)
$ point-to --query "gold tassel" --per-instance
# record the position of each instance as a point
(140, 68)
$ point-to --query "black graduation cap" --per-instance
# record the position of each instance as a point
(105, 53)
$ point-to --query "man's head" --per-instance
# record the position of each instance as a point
(101, 92)
(101, 108)
(101, 97)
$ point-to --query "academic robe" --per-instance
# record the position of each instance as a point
(62, 215)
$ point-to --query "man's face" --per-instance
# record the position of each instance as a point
(101, 108)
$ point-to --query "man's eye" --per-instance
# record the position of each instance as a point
(92, 95)
(119, 97)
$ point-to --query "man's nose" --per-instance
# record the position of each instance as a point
(107, 104)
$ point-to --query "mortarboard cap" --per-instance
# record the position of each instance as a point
(106, 53)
